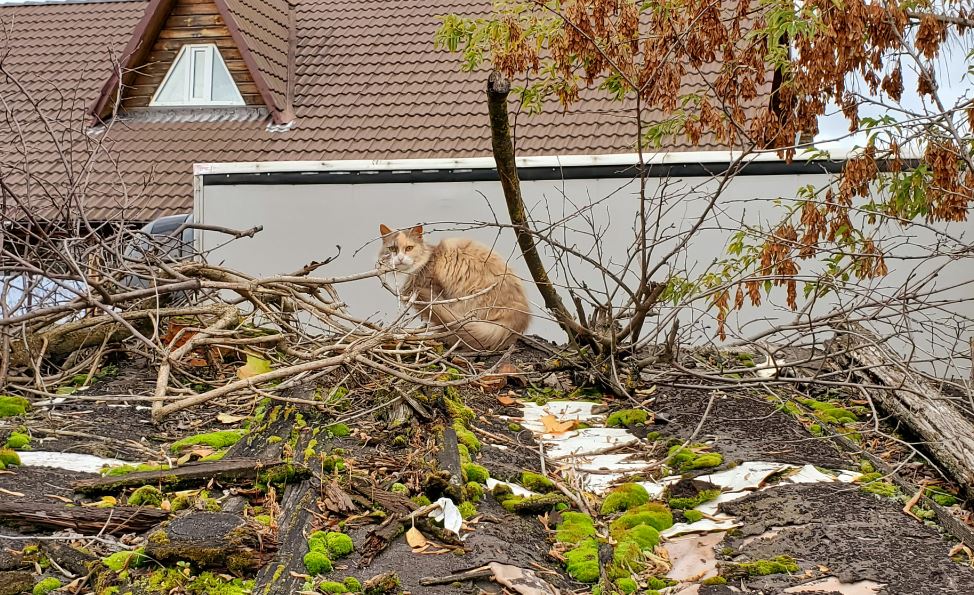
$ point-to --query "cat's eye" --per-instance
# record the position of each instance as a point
(409, 248)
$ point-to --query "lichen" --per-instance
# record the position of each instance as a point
(46, 586)
(474, 472)
(693, 501)
(627, 418)
(625, 497)
(17, 441)
(13, 406)
(147, 495)
(219, 439)
(537, 482)
(582, 561)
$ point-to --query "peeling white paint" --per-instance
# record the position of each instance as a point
(69, 461)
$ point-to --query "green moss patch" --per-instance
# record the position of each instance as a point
(17, 441)
(683, 459)
(574, 528)
(339, 430)
(653, 514)
(625, 497)
(474, 472)
(220, 439)
(873, 483)
(8, 457)
(537, 482)
(692, 516)
(13, 406)
(626, 585)
(46, 586)
(693, 501)
(829, 412)
(468, 510)
(941, 496)
(777, 565)
(146, 496)
(119, 561)
(317, 562)
(582, 561)
(466, 437)
(627, 418)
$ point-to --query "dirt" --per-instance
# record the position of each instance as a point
(855, 535)
(39, 484)
(743, 428)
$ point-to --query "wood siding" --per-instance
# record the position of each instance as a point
(191, 21)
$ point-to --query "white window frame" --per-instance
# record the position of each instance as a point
(210, 53)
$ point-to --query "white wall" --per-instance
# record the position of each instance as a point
(304, 223)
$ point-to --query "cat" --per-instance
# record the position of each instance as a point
(493, 315)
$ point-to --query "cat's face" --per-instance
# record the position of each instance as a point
(403, 250)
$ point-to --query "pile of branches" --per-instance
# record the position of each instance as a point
(72, 300)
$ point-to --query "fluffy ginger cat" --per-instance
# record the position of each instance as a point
(485, 306)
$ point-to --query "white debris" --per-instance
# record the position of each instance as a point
(710, 508)
(580, 411)
(515, 489)
(586, 442)
(69, 461)
(769, 369)
(656, 488)
(448, 514)
(693, 557)
(809, 474)
(746, 476)
(701, 526)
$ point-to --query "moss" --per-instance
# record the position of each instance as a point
(816, 430)
(684, 458)
(332, 587)
(263, 519)
(339, 430)
(317, 562)
(502, 492)
(790, 408)
(400, 441)
(9, 457)
(874, 484)
(421, 500)
(398, 488)
(332, 464)
(692, 516)
(537, 482)
(13, 406)
(624, 497)
(941, 497)
(657, 583)
(474, 472)
(208, 583)
(474, 492)
(339, 545)
(626, 585)
(220, 439)
(455, 407)
(866, 467)
(627, 418)
(533, 504)
(17, 441)
(126, 469)
(777, 565)
(468, 510)
(466, 437)
(582, 561)
(217, 456)
(146, 496)
(693, 501)
(353, 585)
(46, 586)
(653, 514)
(575, 527)
(274, 439)
(119, 561)
(714, 580)
(644, 536)
(829, 413)
(514, 427)
(464, 453)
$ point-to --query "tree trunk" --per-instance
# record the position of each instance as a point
(498, 88)
(948, 436)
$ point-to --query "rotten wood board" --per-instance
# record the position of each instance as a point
(115, 521)
(195, 473)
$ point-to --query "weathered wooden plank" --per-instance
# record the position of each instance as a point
(225, 470)
(195, 33)
(89, 521)
(915, 401)
(194, 20)
(175, 44)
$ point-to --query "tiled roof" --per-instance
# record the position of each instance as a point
(368, 84)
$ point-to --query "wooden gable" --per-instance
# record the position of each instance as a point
(189, 21)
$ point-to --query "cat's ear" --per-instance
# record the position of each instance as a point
(383, 229)
(417, 231)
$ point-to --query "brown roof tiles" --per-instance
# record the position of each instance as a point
(367, 84)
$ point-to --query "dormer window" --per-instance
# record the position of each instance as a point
(198, 77)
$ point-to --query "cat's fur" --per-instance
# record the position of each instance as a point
(456, 268)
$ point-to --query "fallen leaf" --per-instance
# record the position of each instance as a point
(415, 539)
(226, 418)
(166, 505)
(506, 400)
(491, 383)
(184, 459)
(254, 366)
(553, 426)
(9, 493)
